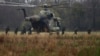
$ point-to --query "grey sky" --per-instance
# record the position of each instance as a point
(1, 0)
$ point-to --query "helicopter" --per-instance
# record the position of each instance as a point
(45, 21)
(41, 23)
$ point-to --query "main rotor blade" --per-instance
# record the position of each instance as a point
(14, 4)
(24, 5)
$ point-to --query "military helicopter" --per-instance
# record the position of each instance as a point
(43, 22)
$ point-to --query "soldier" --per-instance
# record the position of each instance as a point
(7, 29)
(63, 30)
(76, 29)
(16, 30)
(89, 31)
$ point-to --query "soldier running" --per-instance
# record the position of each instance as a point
(16, 30)
(7, 29)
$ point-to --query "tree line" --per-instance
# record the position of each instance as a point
(82, 15)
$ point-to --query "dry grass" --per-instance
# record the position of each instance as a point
(48, 45)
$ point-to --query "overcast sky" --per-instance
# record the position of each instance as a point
(1, 0)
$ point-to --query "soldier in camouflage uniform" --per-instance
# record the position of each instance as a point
(7, 29)
(16, 30)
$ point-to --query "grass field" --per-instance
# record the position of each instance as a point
(44, 44)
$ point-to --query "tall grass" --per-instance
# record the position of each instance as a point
(49, 45)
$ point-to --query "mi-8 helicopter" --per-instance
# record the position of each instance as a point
(45, 21)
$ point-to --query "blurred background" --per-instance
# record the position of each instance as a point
(80, 14)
